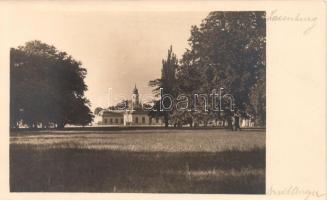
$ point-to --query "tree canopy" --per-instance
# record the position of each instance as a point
(47, 87)
(227, 51)
(166, 85)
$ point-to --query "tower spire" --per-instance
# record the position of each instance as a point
(135, 90)
(135, 98)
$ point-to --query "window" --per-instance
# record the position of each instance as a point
(111, 120)
(136, 120)
(116, 121)
(150, 121)
(143, 120)
(157, 120)
(121, 120)
(105, 121)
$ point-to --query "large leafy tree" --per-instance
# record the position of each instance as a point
(47, 87)
(227, 51)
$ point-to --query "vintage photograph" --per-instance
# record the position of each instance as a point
(138, 102)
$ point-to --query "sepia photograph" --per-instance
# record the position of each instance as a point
(138, 102)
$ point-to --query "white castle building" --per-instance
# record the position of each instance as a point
(134, 115)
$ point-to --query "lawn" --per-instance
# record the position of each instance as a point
(155, 161)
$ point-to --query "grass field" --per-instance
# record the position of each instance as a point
(156, 161)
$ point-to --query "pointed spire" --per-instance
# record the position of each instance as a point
(135, 91)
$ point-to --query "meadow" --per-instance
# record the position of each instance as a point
(149, 161)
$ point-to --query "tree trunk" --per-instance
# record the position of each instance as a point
(229, 123)
(61, 125)
(166, 120)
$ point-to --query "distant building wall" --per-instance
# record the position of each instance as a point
(140, 119)
(112, 120)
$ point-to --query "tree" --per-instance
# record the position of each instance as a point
(167, 84)
(122, 105)
(47, 87)
(258, 102)
(97, 110)
(227, 50)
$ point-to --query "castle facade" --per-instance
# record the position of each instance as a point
(134, 115)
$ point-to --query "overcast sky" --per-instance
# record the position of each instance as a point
(118, 49)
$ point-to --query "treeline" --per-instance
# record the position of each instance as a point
(46, 88)
(226, 55)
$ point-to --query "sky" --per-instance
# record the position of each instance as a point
(118, 48)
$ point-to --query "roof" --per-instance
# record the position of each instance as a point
(112, 113)
(138, 111)
(141, 112)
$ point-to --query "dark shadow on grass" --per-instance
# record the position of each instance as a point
(83, 170)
